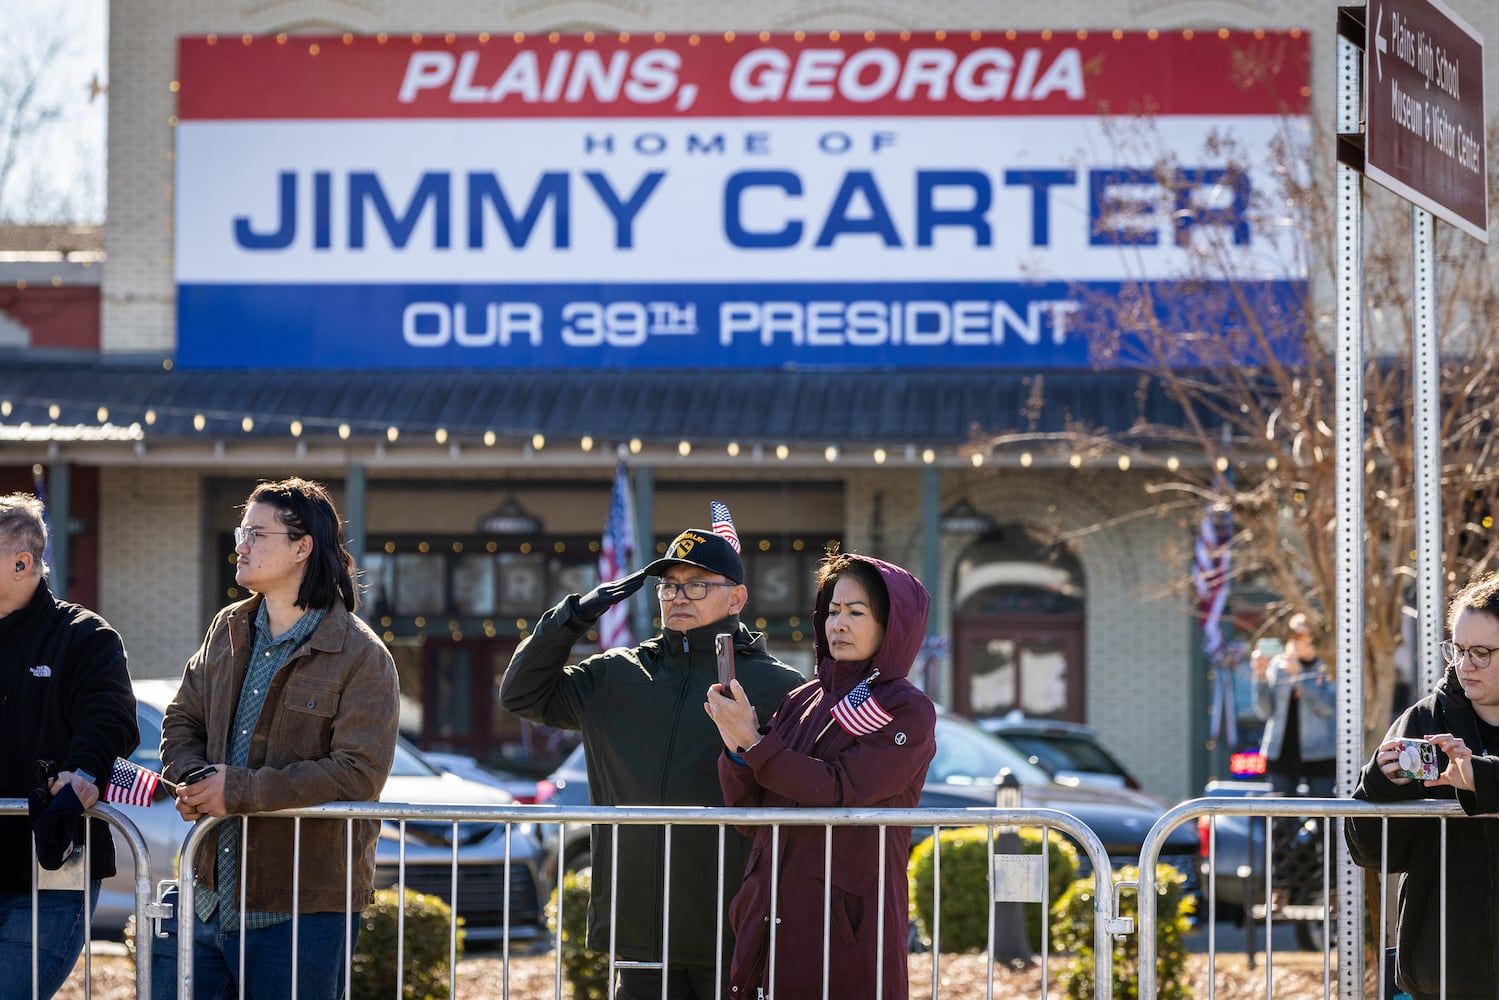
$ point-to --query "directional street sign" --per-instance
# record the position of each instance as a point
(1424, 137)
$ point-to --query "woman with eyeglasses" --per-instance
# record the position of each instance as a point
(1451, 867)
(1296, 697)
(810, 923)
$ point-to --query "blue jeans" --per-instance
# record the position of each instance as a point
(268, 959)
(60, 932)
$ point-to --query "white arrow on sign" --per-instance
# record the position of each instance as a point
(1380, 45)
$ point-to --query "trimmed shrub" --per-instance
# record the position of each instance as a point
(425, 951)
(965, 885)
(587, 971)
(1172, 912)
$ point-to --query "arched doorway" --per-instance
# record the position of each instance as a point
(1018, 628)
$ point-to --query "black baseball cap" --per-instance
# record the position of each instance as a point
(702, 548)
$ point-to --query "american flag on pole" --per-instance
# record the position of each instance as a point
(1210, 575)
(859, 713)
(616, 552)
(723, 524)
(130, 784)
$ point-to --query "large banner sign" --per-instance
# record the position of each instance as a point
(579, 201)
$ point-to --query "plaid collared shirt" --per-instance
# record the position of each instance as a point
(268, 654)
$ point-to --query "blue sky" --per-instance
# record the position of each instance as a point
(59, 172)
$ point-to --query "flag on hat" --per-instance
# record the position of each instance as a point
(130, 784)
(723, 524)
(859, 713)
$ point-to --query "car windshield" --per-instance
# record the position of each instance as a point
(967, 755)
(148, 753)
(1066, 753)
(409, 764)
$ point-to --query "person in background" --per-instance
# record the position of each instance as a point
(1296, 698)
(291, 701)
(858, 736)
(646, 743)
(1461, 718)
(65, 697)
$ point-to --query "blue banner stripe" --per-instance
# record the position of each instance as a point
(702, 326)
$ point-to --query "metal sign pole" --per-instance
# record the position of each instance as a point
(1350, 510)
(1428, 445)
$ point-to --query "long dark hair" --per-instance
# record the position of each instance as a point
(307, 510)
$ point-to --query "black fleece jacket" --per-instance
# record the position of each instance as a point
(1415, 848)
(648, 742)
(64, 696)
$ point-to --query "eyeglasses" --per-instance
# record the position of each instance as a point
(694, 590)
(1478, 656)
(244, 536)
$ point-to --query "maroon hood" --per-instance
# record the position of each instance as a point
(904, 631)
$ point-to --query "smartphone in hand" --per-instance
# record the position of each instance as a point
(193, 777)
(723, 645)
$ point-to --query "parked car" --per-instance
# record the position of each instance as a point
(1237, 866)
(521, 788)
(961, 774)
(1069, 750)
(429, 845)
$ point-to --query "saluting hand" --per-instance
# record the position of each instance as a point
(607, 595)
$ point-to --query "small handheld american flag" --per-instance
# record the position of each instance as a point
(723, 524)
(859, 713)
(130, 784)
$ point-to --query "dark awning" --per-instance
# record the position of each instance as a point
(925, 408)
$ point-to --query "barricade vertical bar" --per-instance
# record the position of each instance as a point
(88, 909)
(557, 932)
(989, 878)
(401, 913)
(1384, 896)
(665, 907)
(936, 908)
(775, 890)
(242, 873)
(1442, 911)
(1327, 904)
(36, 902)
(1212, 906)
(718, 918)
(349, 917)
(1269, 898)
(613, 900)
(827, 903)
(1045, 906)
(453, 920)
(879, 928)
(296, 892)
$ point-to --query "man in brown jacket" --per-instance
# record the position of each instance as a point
(291, 701)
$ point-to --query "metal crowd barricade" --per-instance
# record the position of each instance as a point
(1333, 846)
(1105, 898)
(131, 836)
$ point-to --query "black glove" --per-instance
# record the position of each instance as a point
(606, 595)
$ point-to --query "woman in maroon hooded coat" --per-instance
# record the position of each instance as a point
(858, 736)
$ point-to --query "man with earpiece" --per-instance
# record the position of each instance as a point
(65, 699)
